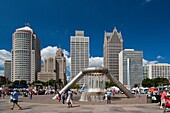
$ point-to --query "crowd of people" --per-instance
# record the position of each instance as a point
(66, 96)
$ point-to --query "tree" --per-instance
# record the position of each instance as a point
(76, 86)
(147, 82)
(109, 84)
(135, 85)
(154, 82)
(23, 82)
(160, 81)
(52, 82)
(0, 84)
(16, 82)
(38, 81)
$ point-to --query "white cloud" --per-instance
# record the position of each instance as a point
(145, 62)
(1, 72)
(48, 51)
(51, 51)
(96, 61)
(4, 55)
(160, 57)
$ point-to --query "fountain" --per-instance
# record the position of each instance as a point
(95, 86)
(96, 79)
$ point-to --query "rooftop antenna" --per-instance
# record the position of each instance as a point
(27, 24)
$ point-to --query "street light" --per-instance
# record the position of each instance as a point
(55, 81)
(6, 80)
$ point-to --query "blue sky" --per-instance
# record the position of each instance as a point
(145, 24)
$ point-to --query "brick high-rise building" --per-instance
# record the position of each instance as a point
(61, 66)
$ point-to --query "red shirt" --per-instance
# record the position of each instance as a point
(163, 95)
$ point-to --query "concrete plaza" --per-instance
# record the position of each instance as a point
(45, 104)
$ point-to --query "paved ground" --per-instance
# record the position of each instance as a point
(45, 104)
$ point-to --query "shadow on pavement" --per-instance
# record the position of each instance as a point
(75, 106)
(25, 108)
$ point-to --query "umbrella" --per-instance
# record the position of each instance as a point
(134, 88)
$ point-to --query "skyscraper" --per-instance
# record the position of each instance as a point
(54, 68)
(7, 69)
(26, 59)
(49, 64)
(48, 72)
(79, 46)
(130, 67)
(61, 66)
(113, 45)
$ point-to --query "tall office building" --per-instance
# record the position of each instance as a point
(47, 70)
(113, 45)
(49, 64)
(26, 59)
(54, 68)
(7, 69)
(79, 46)
(158, 70)
(61, 66)
(47, 73)
(130, 67)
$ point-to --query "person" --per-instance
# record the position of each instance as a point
(63, 97)
(59, 97)
(109, 97)
(138, 91)
(31, 95)
(70, 98)
(113, 92)
(3, 94)
(163, 96)
(105, 97)
(0, 93)
(15, 100)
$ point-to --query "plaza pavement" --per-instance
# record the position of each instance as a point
(45, 104)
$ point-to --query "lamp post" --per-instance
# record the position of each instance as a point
(6, 80)
(55, 81)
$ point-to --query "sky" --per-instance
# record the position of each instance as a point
(144, 24)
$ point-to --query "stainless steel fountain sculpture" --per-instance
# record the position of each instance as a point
(95, 85)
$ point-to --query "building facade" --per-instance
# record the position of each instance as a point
(79, 45)
(61, 67)
(54, 68)
(130, 67)
(7, 69)
(113, 45)
(158, 70)
(26, 59)
(49, 64)
(46, 76)
(48, 70)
